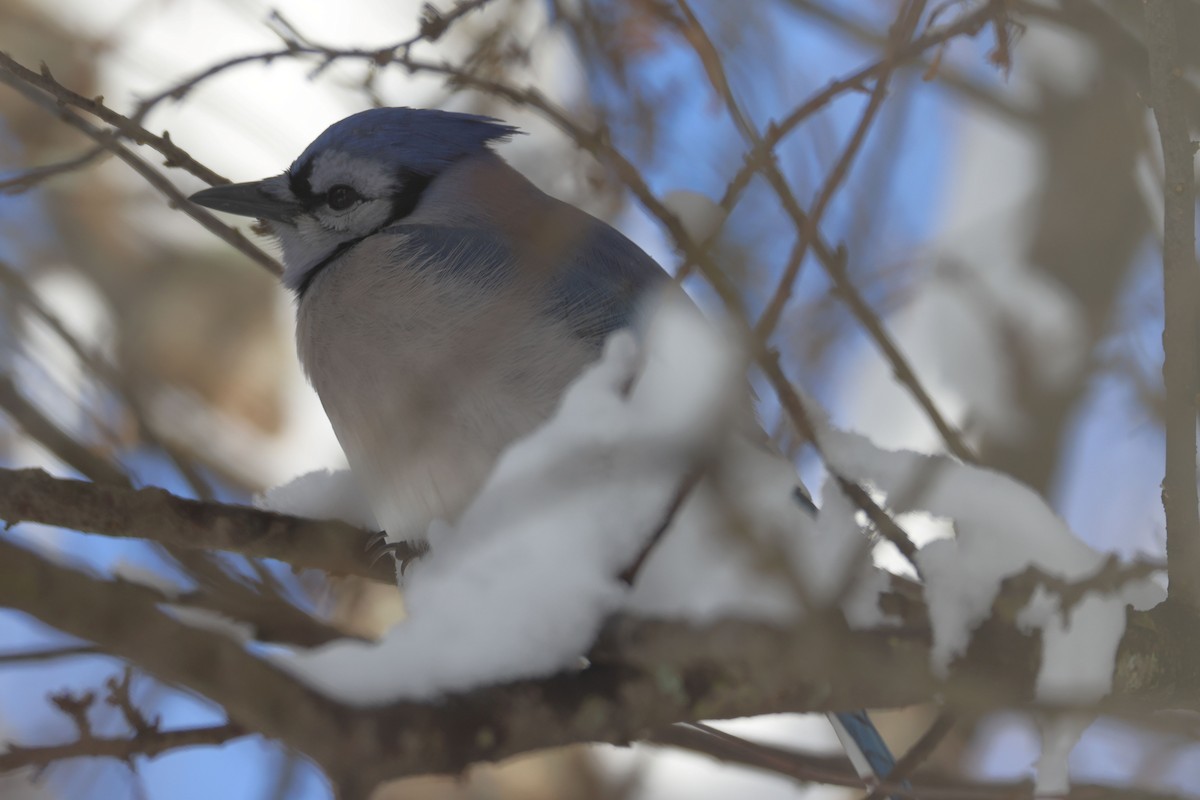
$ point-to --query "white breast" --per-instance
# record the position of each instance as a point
(426, 378)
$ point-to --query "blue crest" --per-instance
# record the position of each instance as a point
(423, 140)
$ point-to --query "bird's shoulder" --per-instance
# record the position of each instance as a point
(594, 283)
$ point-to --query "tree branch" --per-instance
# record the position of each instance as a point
(18, 77)
(125, 748)
(644, 676)
(30, 495)
(1181, 287)
(62, 445)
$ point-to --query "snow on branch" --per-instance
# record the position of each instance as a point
(1003, 529)
(1075, 597)
(520, 586)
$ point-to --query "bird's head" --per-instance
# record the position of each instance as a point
(362, 174)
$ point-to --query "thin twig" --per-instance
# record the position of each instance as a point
(433, 26)
(630, 573)
(901, 32)
(124, 748)
(24, 181)
(968, 25)
(49, 654)
(109, 139)
(15, 284)
(62, 445)
(833, 259)
(175, 156)
(956, 80)
(918, 754)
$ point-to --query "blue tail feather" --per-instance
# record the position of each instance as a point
(873, 749)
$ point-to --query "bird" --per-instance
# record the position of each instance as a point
(443, 305)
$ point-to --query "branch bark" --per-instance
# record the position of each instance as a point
(644, 676)
(1181, 287)
(30, 495)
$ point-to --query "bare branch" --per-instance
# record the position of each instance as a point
(175, 156)
(1181, 287)
(807, 768)
(15, 284)
(617, 699)
(14, 75)
(31, 495)
(124, 748)
(917, 755)
(901, 32)
(49, 654)
(43, 430)
(27, 180)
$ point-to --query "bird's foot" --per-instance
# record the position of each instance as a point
(405, 552)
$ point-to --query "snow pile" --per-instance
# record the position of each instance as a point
(521, 584)
(320, 494)
(743, 547)
(1002, 528)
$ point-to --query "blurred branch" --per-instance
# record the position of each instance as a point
(938, 72)
(617, 699)
(28, 179)
(44, 431)
(123, 748)
(808, 768)
(901, 32)
(31, 495)
(1181, 287)
(49, 654)
(917, 755)
(14, 283)
(145, 740)
(808, 224)
(78, 707)
(44, 91)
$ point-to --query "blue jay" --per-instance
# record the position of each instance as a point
(443, 305)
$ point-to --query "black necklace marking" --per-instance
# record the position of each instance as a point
(412, 186)
(325, 262)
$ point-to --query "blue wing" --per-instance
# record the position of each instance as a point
(605, 277)
(467, 254)
(595, 288)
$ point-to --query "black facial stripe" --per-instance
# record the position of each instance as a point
(298, 182)
(325, 262)
(412, 186)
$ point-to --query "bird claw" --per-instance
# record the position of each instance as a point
(379, 547)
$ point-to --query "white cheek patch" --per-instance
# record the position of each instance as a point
(376, 186)
(331, 168)
(360, 219)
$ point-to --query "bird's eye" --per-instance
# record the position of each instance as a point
(341, 197)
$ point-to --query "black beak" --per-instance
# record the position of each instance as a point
(247, 200)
